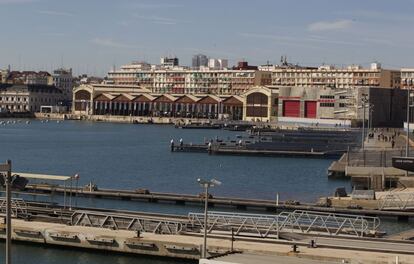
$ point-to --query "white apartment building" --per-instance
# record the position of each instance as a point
(218, 64)
(407, 78)
(188, 81)
(326, 75)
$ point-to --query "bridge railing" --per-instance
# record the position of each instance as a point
(157, 225)
(396, 201)
(296, 221)
(18, 206)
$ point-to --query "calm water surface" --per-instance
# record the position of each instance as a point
(138, 156)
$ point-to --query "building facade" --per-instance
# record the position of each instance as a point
(188, 81)
(126, 100)
(63, 79)
(329, 76)
(199, 60)
(28, 97)
(407, 78)
(384, 106)
(169, 62)
(260, 104)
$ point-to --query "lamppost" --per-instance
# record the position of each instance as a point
(206, 184)
(371, 111)
(407, 144)
(364, 101)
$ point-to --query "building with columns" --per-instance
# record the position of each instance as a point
(104, 99)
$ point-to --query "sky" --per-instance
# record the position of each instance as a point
(93, 36)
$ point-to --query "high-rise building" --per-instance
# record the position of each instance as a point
(217, 64)
(199, 60)
(63, 80)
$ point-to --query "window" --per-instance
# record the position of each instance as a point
(327, 97)
(342, 97)
(326, 104)
(342, 105)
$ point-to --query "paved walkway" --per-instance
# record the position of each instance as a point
(266, 259)
(223, 244)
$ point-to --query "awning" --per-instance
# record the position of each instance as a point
(42, 176)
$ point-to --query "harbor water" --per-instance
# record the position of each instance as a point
(128, 156)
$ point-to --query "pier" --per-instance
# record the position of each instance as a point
(371, 167)
(222, 149)
(144, 195)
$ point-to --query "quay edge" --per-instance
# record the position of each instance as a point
(122, 241)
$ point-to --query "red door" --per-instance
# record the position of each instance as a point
(291, 108)
(310, 109)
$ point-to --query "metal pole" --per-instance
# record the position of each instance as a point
(76, 194)
(64, 194)
(278, 227)
(363, 125)
(205, 221)
(277, 200)
(232, 240)
(8, 213)
(407, 146)
(70, 194)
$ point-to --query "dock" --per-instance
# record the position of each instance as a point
(371, 167)
(221, 149)
(144, 195)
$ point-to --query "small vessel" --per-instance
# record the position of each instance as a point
(200, 126)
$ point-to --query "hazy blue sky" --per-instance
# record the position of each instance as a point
(92, 36)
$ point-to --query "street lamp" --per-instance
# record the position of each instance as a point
(206, 184)
(364, 101)
(407, 147)
(371, 111)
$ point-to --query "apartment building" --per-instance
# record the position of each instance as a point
(63, 79)
(407, 78)
(330, 76)
(181, 80)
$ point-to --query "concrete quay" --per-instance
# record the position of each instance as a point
(371, 168)
(188, 246)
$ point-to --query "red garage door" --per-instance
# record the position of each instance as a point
(310, 109)
(291, 108)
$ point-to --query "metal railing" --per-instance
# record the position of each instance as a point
(372, 158)
(18, 206)
(127, 222)
(396, 201)
(296, 221)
